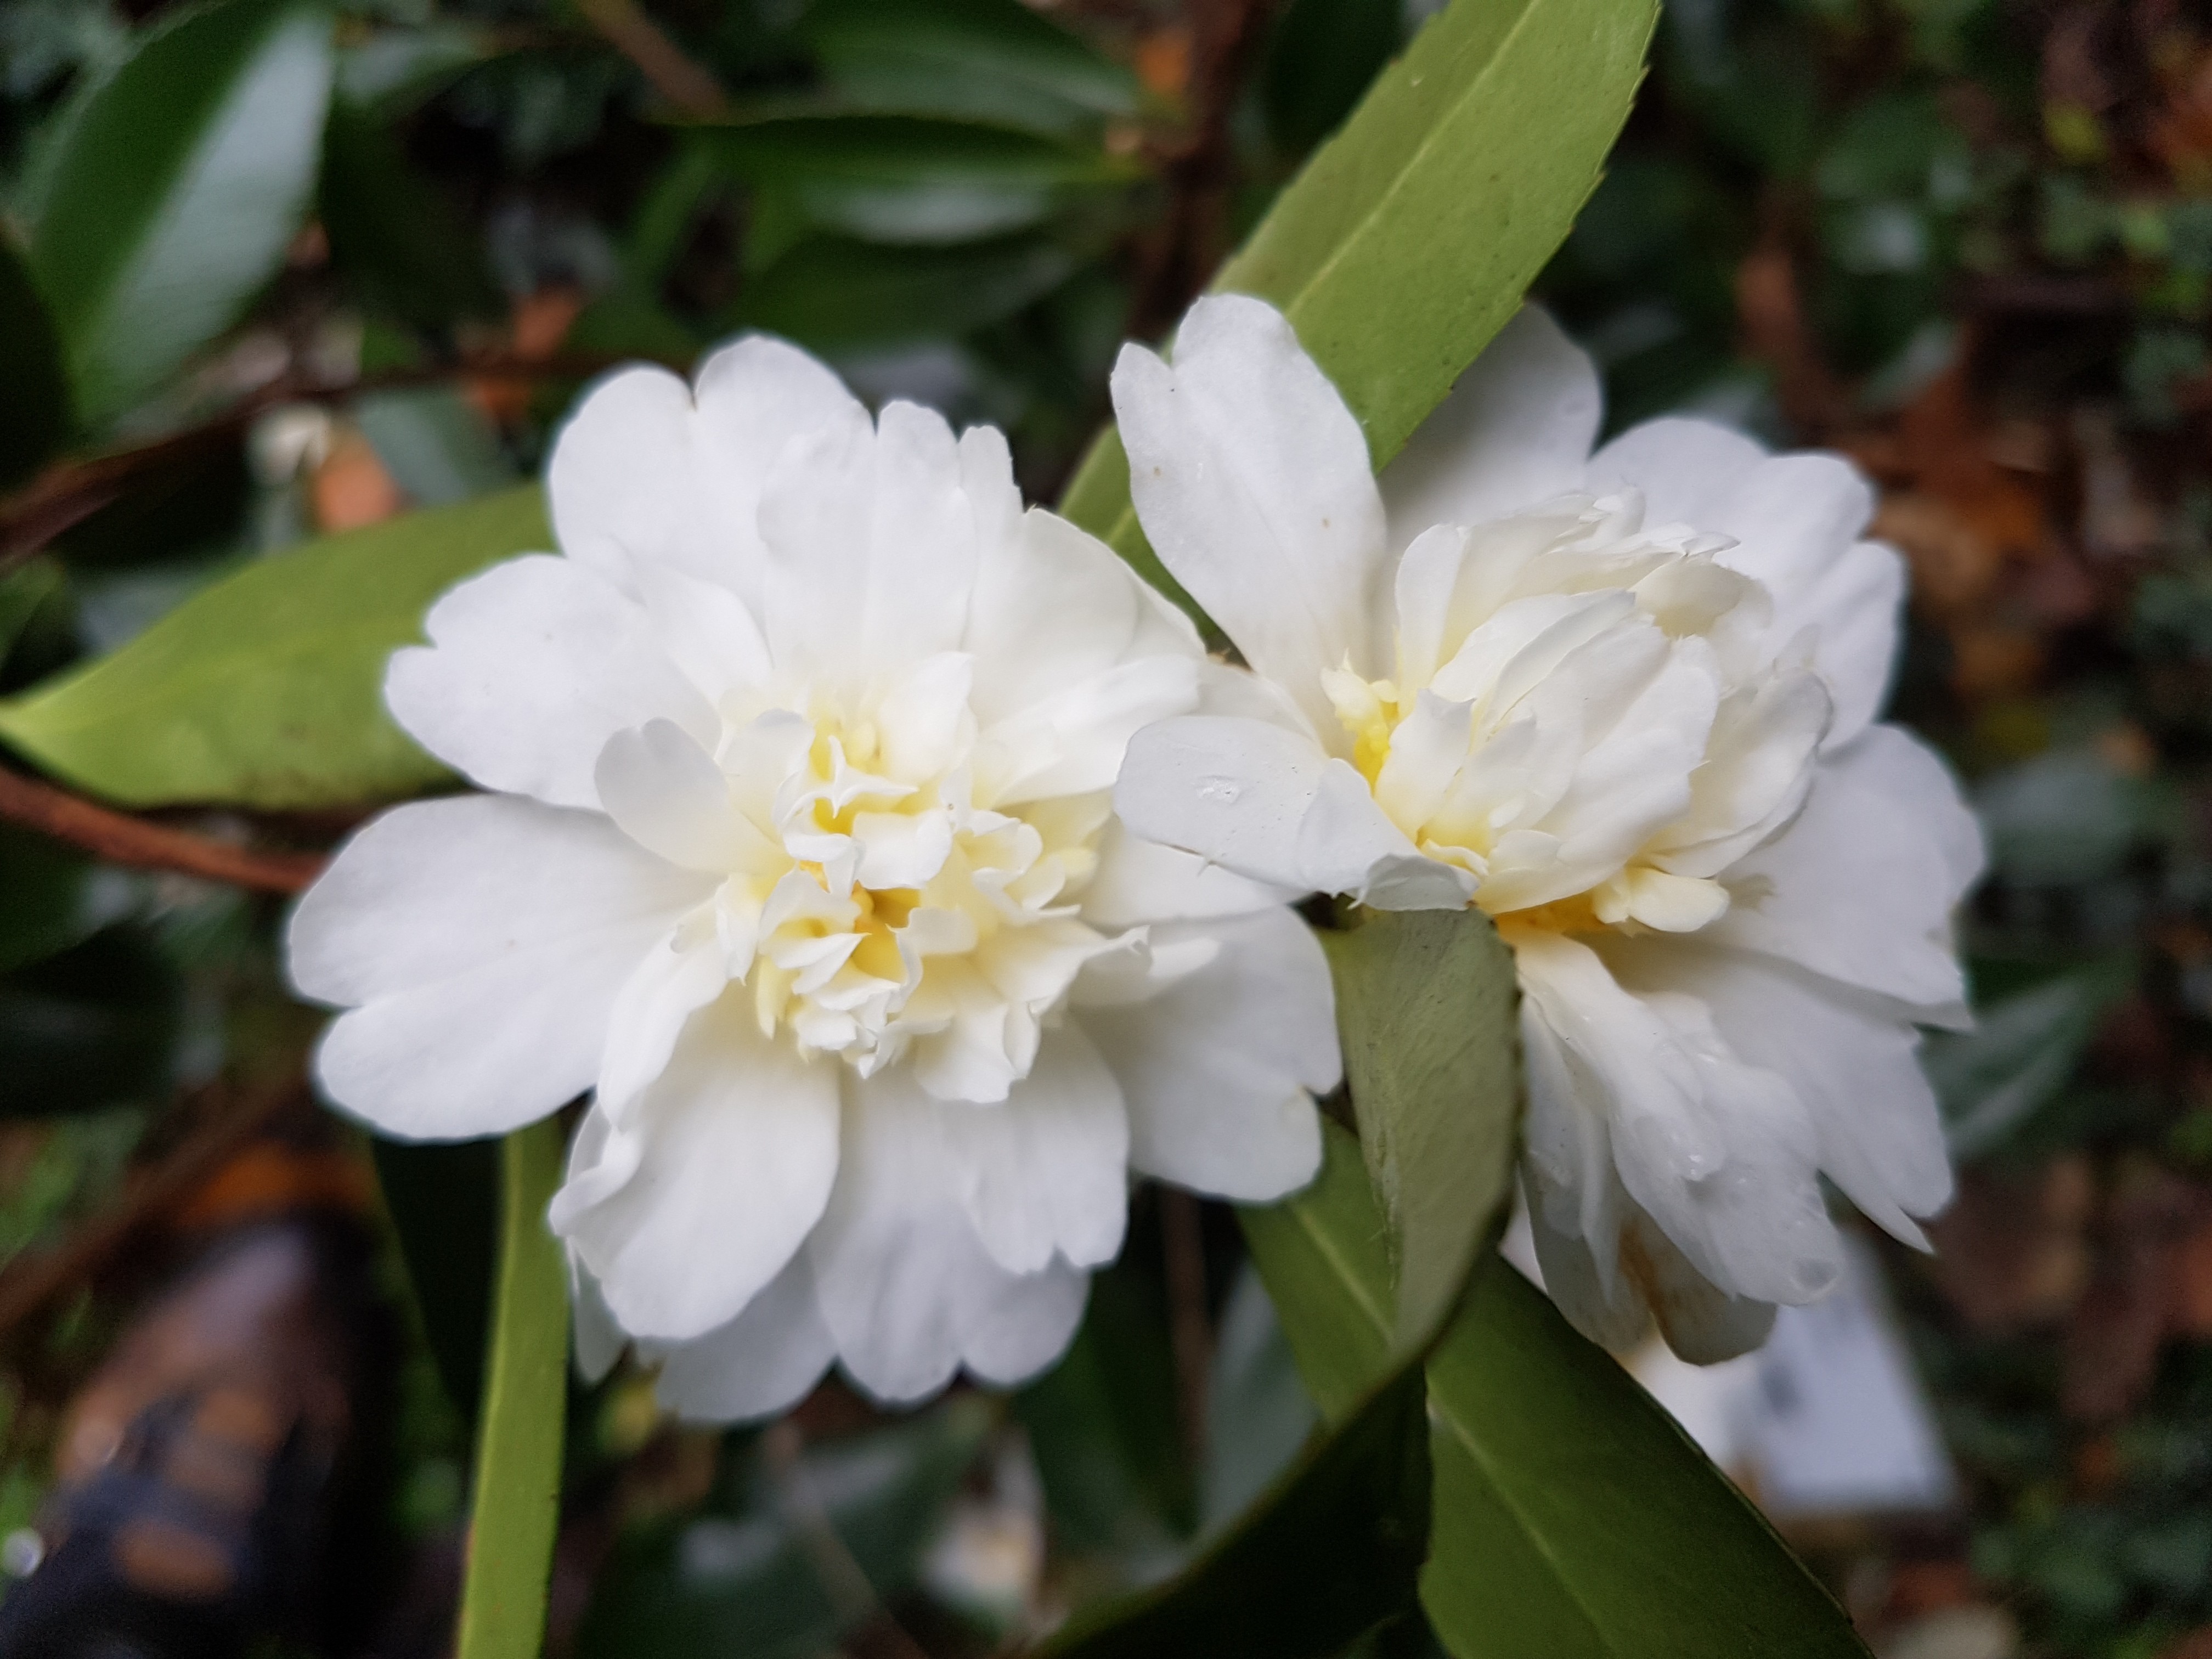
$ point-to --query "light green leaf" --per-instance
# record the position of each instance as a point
(2022, 1049)
(519, 1439)
(182, 180)
(994, 60)
(1408, 240)
(34, 416)
(1428, 1009)
(265, 689)
(1573, 1517)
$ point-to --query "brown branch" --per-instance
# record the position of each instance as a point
(69, 491)
(1225, 35)
(684, 83)
(122, 839)
(846, 1584)
(29, 1283)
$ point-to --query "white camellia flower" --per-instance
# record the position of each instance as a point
(1625, 704)
(801, 857)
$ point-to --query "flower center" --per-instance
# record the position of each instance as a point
(1584, 722)
(875, 902)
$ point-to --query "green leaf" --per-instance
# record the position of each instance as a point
(35, 415)
(902, 179)
(1428, 1009)
(518, 1473)
(833, 293)
(747, 1578)
(1408, 240)
(443, 1199)
(1329, 1551)
(1258, 1414)
(994, 60)
(264, 690)
(182, 181)
(1573, 1517)
(397, 242)
(95, 1026)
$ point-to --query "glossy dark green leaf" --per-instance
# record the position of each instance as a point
(96, 1025)
(443, 1199)
(835, 293)
(746, 1577)
(265, 689)
(35, 415)
(396, 242)
(1330, 1550)
(515, 1500)
(182, 180)
(1572, 1516)
(1428, 1011)
(902, 179)
(1319, 59)
(1408, 240)
(995, 60)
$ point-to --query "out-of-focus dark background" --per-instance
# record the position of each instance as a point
(1968, 242)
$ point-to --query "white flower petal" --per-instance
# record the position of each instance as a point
(760, 1365)
(1043, 1170)
(1220, 1071)
(1681, 467)
(1140, 881)
(1854, 1062)
(1072, 741)
(1251, 478)
(1862, 886)
(532, 667)
(1054, 608)
(647, 469)
(481, 942)
(904, 1283)
(739, 1148)
(666, 794)
(1516, 430)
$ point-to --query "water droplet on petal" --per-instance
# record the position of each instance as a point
(1219, 791)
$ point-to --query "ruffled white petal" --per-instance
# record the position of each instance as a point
(531, 668)
(646, 469)
(735, 1149)
(1516, 430)
(905, 1285)
(1140, 881)
(760, 1363)
(1251, 478)
(1862, 886)
(1220, 1070)
(1042, 1171)
(1266, 803)
(479, 944)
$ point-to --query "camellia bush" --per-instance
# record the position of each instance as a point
(878, 661)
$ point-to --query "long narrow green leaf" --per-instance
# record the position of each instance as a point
(518, 1477)
(266, 690)
(1572, 1518)
(1410, 237)
(1427, 1004)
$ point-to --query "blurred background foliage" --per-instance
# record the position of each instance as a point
(1968, 242)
